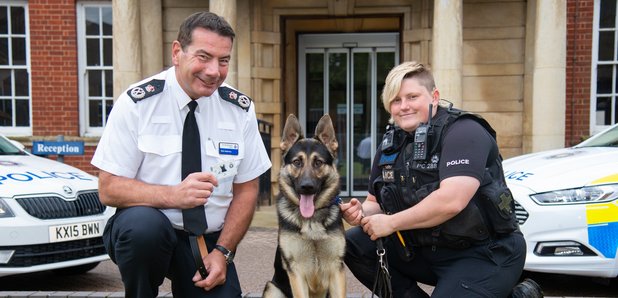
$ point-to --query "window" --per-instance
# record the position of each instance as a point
(14, 69)
(604, 103)
(94, 30)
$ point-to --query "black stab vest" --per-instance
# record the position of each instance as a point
(405, 182)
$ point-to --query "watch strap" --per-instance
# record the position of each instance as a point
(228, 254)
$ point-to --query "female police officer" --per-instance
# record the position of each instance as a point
(438, 199)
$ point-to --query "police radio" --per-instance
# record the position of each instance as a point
(421, 138)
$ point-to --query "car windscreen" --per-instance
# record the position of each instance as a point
(7, 148)
(608, 138)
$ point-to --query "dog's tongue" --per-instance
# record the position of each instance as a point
(306, 206)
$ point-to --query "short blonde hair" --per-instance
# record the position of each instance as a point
(405, 70)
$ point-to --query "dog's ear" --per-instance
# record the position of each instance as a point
(291, 133)
(325, 133)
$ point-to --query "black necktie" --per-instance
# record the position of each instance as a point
(194, 219)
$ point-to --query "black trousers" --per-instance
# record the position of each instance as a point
(146, 248)
(491, 269)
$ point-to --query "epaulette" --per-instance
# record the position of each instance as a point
(232, 96)
(146, 90)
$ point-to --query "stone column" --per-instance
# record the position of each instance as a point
(545, 125)
(151, 28)
(127, 44)
(447, 49)
(242, 46)
(227, 9)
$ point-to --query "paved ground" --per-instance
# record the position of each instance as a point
(254, 262)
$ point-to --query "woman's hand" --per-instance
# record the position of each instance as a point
(378, 225)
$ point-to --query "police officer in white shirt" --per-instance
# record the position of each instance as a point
(139, 157)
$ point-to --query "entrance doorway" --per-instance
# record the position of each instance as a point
(343, 75)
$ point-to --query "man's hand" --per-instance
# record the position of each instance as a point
(352, 211)
(217, 271)
(194, 190)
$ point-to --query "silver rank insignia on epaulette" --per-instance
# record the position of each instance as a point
(235, 97)
(146, 90)
(388, 174)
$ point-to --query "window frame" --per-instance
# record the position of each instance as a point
(19, 130)
(84, 119)
(594, 126)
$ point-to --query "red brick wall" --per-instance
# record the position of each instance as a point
(83, 161)
(54, 75)
(578, 69)
(53, 50)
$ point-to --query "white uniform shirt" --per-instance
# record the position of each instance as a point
(143, 140)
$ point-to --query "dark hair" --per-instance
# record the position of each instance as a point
(206, 20)
(423, 76)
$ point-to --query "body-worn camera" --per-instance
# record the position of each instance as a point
(393, 139)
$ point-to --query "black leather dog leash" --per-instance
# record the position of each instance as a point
(200, 251)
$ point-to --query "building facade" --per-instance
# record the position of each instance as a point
(541, 72)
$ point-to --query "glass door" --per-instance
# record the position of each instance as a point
(342, 75)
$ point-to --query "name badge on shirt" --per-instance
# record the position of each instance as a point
(228, 148)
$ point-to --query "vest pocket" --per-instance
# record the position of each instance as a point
(497, 199)
(468, 224)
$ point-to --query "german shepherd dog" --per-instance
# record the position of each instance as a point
(311, 241)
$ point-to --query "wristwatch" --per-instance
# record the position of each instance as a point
(229, 255)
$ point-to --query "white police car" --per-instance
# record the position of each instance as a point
(567, 206)
(50, 215)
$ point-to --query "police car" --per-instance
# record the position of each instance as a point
(50, 215)
(567, 206)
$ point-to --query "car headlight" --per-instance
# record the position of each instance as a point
(5, 210)
(582, 195)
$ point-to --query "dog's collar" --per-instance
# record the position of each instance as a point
(337, 200)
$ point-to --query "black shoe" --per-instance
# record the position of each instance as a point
(527, 289)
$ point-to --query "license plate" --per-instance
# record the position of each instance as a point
(75, 231)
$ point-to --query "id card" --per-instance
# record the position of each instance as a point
(228, 148)
(224, 169)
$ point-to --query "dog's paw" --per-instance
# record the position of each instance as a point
(271, 291)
